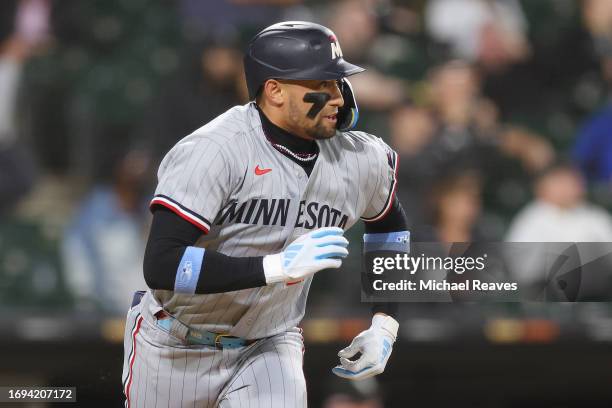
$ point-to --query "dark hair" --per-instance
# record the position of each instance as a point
(446, 185)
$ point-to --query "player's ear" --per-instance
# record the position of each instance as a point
(273, 92)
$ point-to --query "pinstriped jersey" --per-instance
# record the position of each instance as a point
(251, 200)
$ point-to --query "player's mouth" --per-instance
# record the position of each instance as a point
(332, 118)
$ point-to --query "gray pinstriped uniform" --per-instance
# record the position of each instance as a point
(229, 180)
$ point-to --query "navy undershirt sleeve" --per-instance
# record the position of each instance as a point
(394, 221)
(170, 236)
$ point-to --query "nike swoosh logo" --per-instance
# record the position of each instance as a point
(261, 172)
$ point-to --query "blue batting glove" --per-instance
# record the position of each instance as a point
(310, 253)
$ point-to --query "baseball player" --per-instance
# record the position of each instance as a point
(247, 209)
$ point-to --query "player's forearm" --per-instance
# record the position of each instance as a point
(172, 262)
(198, 271)
(194, 270)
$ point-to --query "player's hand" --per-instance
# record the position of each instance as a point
(374, 344)
(310, 253)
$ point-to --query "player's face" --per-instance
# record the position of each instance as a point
(323, 124)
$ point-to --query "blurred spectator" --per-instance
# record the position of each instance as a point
(489, 32)
(560, 212)
(550, 66)
(593, 147)
(22, 28)
(453, 208)
(457, 130)
(103, 248)
(559, 79)
(597, 17)
(458, 122)
(449, 132)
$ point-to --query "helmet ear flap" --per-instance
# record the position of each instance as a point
(349, 113)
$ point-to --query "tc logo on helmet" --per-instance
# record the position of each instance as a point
(336, 51)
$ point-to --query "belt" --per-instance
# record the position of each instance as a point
(203, 337)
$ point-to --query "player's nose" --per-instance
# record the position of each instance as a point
(336, 97)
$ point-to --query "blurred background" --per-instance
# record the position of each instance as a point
(501, 113)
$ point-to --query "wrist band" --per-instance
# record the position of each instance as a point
(398, 241)
(188, 271)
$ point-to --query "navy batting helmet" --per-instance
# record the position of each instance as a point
(301, 50)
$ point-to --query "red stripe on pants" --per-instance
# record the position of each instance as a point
(129, 383)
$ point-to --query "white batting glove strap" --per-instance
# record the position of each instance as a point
(310, 253)
(374, 344)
